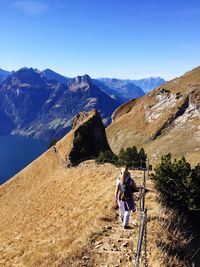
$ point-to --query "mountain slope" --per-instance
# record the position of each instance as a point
(47, 210)
(52, 75)
(166, 120)
(41, 107)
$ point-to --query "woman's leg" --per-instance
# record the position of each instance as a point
(121, 210)
(126, 217)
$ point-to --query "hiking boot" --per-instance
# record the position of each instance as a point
(127, 227)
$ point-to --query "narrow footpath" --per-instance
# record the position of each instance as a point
(114, 246)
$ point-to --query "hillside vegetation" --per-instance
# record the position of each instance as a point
(179, 183)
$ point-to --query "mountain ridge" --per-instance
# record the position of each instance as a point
(42, 104)
(42, 108)
(161, 120)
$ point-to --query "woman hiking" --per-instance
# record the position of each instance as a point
(124, 196)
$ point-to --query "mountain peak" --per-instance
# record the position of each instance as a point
(28, 76)
(28, 70)
(83, 79)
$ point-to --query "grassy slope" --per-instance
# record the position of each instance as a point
(46, 210)
(49, 212)
(137, 122)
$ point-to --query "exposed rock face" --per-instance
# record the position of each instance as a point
(42, 107)
(86, 139)
(167, 120)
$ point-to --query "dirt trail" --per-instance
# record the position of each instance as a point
(114, 246)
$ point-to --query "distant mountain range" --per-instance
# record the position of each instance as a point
(119, 89)
(42, 104)
(129, 88)
(38, 105)
(148, 84)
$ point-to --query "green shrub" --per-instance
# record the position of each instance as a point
(142, 157)
(178, 182)
(132, 158)
(129, 157)
(107, 156)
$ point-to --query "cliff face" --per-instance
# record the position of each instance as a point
(86, 139)
(89, 137)
(165, 120)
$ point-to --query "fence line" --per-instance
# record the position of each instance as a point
(142, 237)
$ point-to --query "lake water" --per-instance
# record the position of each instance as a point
(16, 152)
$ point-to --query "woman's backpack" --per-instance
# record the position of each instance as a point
(126, 189)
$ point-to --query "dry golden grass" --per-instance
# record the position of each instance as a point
(47, 210)
(150, 120)
(50, 214)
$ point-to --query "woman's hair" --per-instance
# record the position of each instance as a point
(123, 173)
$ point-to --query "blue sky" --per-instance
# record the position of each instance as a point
(104, 38)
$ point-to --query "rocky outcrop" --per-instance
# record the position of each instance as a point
(86, 139)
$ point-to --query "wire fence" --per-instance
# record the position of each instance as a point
(142, 237)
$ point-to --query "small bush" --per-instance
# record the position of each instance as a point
(178, 182)
(107, 156)
(132, 158)
(129, 157)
